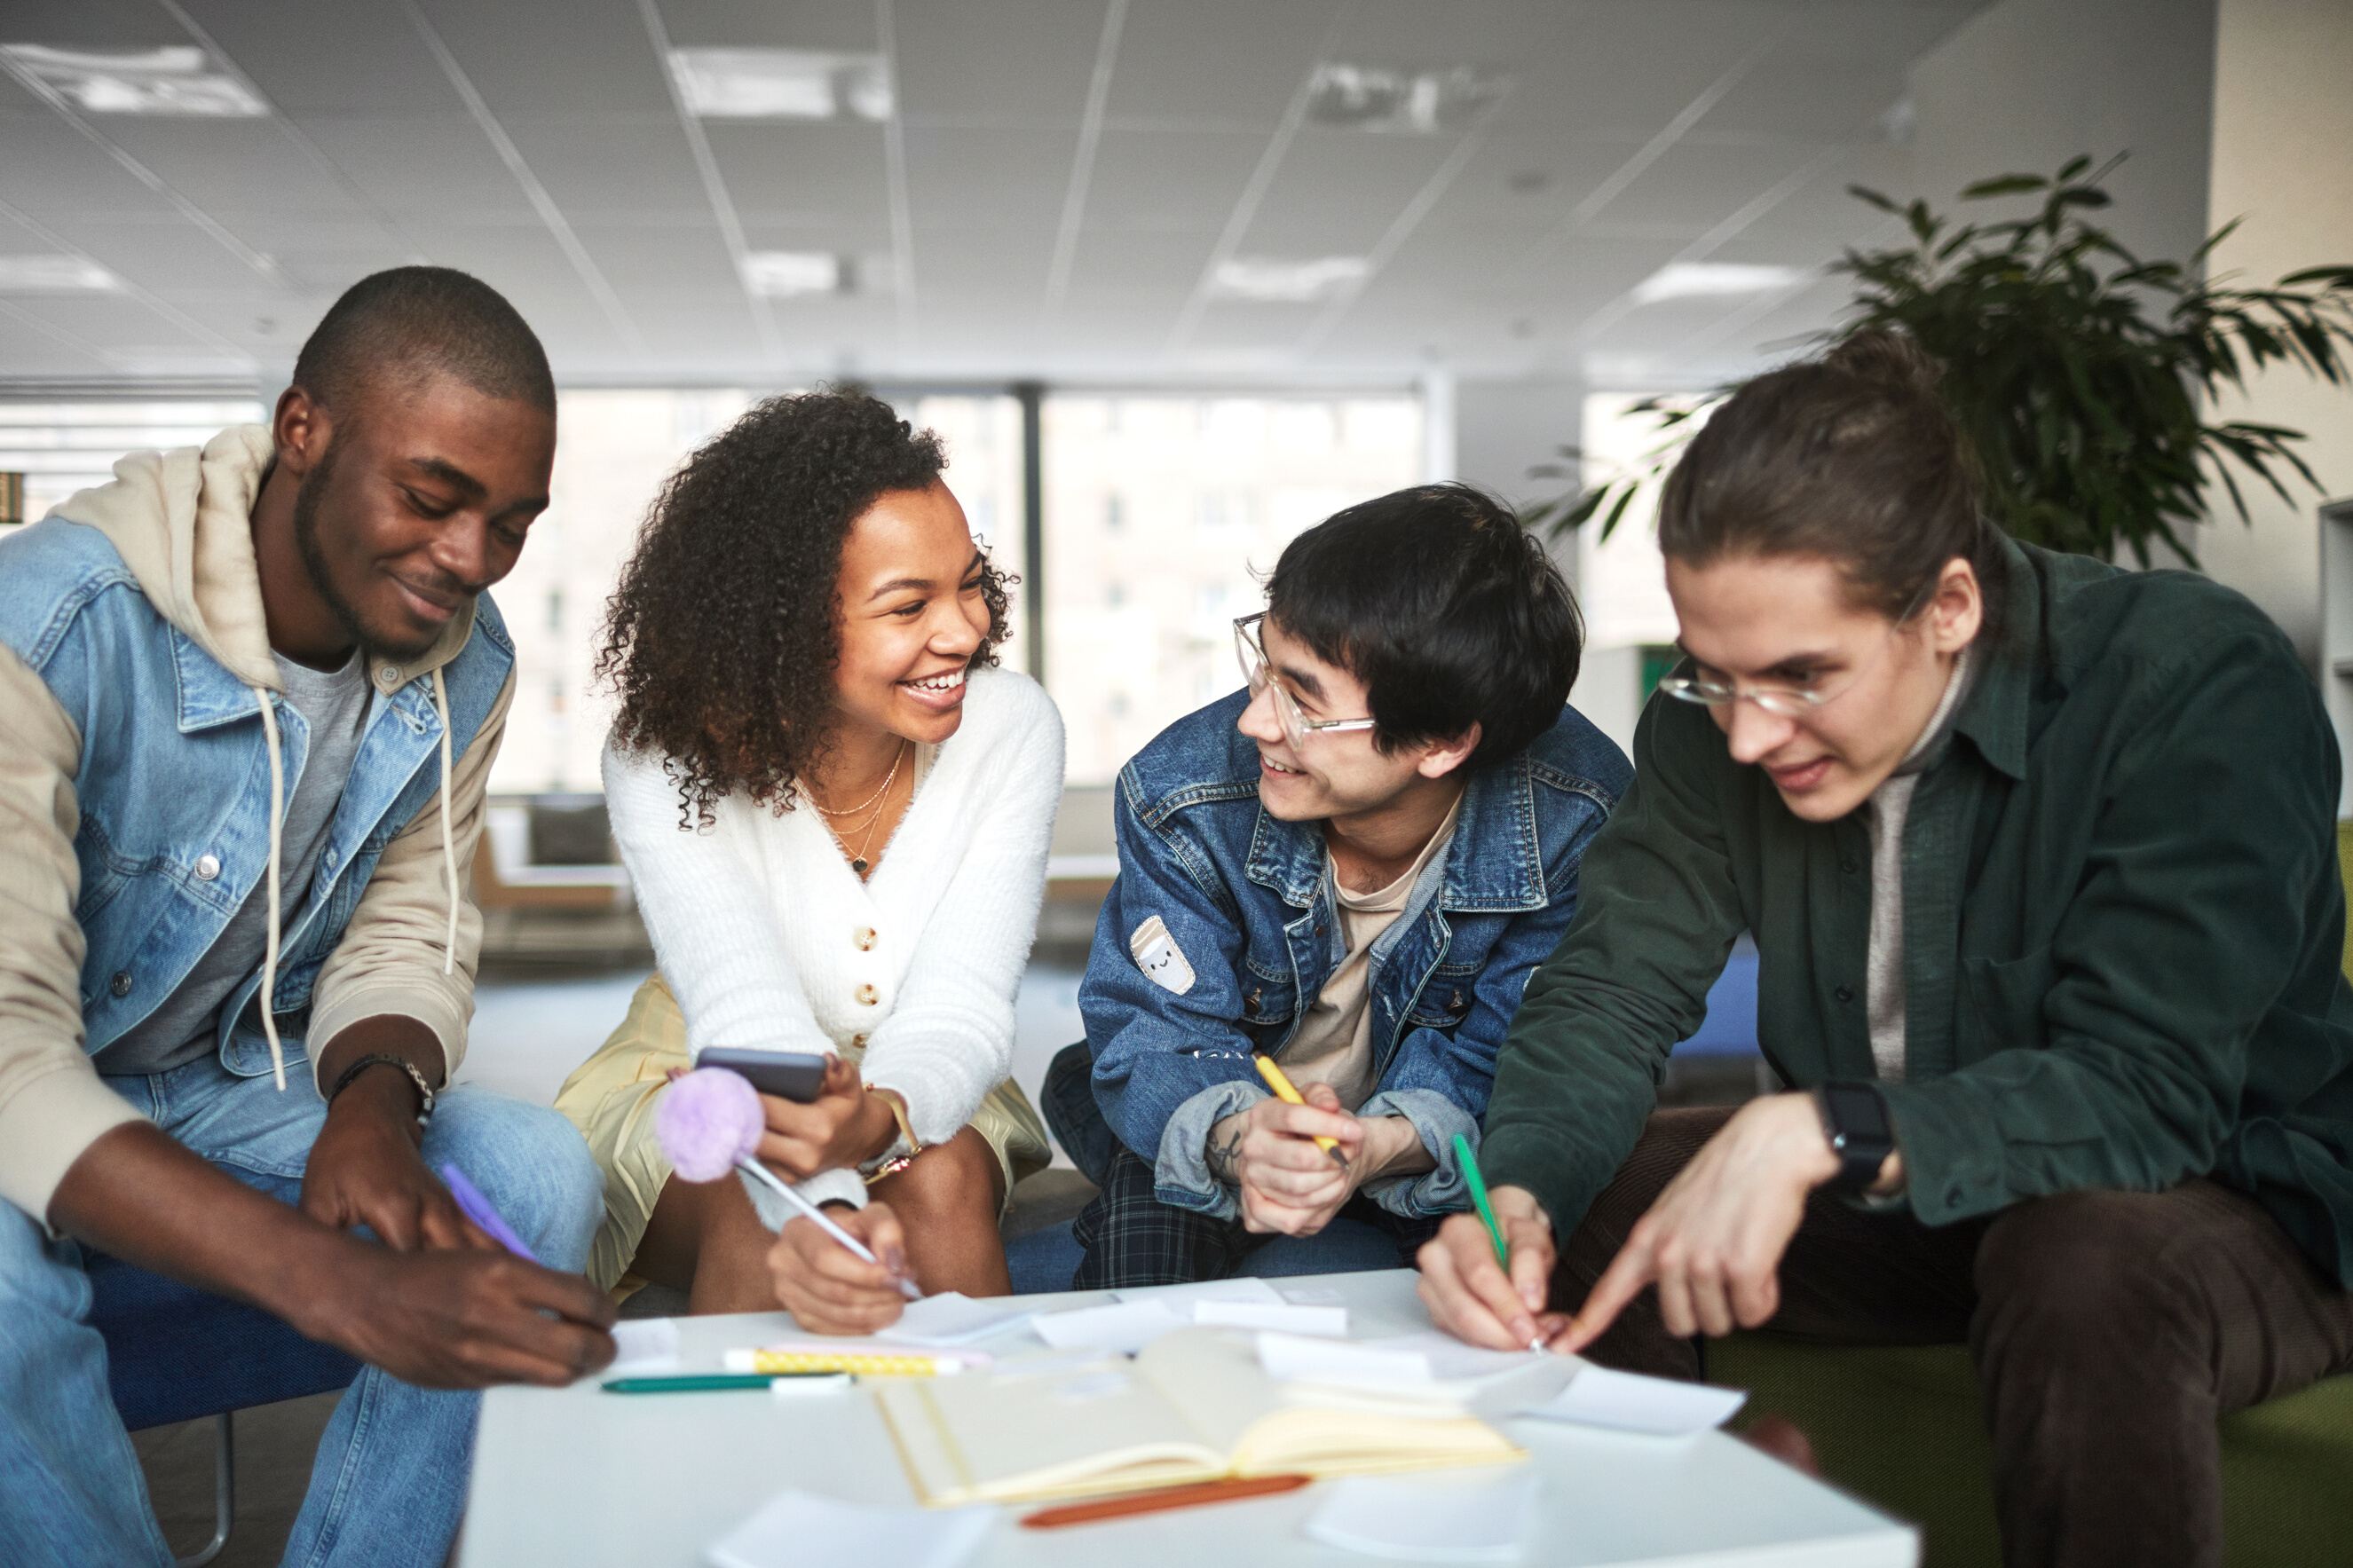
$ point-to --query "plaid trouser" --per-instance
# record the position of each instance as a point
(1133, 1239)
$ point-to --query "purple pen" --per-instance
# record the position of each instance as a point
(478, 1209)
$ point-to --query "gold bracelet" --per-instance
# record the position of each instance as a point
(896, 1163)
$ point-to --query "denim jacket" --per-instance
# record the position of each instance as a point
(135, 799)
(1247, 900)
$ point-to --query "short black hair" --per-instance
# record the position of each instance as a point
(1447, 609)
(402, 326)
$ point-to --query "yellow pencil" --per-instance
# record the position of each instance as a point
(1284, 1092)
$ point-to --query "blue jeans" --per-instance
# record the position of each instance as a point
(389, 1482)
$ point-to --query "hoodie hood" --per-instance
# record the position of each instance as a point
(183, 523)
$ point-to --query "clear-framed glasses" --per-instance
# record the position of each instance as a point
(1296, 726)
(1790, 701)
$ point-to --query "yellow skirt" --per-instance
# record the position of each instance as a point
(611, 1097)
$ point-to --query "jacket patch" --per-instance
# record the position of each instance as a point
(1157, 954)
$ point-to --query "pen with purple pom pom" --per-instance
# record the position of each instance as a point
(709, 1123)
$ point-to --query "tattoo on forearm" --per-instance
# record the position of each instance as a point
(1226, 1158)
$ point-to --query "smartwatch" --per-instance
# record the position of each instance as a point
(1854, 1119)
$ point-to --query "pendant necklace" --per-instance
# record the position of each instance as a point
(857, 862)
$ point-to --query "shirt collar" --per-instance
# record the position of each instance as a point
(1993, 713)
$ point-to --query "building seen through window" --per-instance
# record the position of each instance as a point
(1162, 516)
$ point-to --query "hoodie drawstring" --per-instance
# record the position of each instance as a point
(277, 851)
(448, 853)
(277, 842)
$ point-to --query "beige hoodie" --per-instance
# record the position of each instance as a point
(181, 521)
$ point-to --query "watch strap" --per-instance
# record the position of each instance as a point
(1855, 1120)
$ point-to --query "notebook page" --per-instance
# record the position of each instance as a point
(1097, 1428)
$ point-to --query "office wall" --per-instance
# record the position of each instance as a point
(1501, 430)
(2027, 84)
(2283, 161)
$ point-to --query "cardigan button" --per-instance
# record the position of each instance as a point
(121, 983)
(1848, 866)
(866, 995)
(207, 868)
(1844, 993)
(864, 937)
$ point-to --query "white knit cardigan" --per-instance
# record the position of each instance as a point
(771, 942)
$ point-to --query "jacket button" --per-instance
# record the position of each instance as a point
(121, 983)
(1953, 1198)
(207, 868)
(1848, 866)
(864, 937)
(1844, 993)
(865, 996)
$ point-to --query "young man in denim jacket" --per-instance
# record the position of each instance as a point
(248, 699)
(1352, 870)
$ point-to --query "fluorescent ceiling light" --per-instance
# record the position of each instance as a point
(54, 275)
(180, 80)
(794, 274)
(171, 361)
(1697, 279)
(1379, 98)
(1288, 283)
(781, 84)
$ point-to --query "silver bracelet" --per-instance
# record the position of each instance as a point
(385, 1058)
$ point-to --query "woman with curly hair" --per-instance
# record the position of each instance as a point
(835, 810)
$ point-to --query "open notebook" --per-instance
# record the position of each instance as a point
(1194, 1406)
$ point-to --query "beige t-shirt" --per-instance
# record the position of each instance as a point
(1335, 1042)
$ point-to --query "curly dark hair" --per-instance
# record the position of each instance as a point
(722, 636)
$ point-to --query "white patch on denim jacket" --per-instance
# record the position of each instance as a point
(1157, 954)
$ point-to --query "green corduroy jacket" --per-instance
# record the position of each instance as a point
(2122, 925)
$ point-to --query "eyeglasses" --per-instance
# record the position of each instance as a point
(1786, 701)
(1260, 674)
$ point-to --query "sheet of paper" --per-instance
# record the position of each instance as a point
(1328, 1322)
(646, 1344)
(1125, 1327)
(1449, 1357)
(1629, 1401)
(1314, 1296)
(798, 1528)
(1472, 1517)
(952, 1318)
(1295, 1358)
(1182, 1297)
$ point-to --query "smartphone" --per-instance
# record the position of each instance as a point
(788, 1075)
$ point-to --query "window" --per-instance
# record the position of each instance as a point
(62, 447)
(1196, 498)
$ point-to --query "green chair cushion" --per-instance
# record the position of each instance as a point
(1900, 1428)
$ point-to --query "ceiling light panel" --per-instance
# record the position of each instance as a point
(181, 81)
(795, 273)
(782, 84)
(54, 275)
(1268, 280)
(1383, 99)
(1699, 279)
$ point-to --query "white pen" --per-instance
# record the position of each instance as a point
(754, 1167)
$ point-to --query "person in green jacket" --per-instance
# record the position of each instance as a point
(2040, 858)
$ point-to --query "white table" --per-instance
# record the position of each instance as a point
(584, 1477)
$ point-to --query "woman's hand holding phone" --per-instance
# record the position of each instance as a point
(843, 1126)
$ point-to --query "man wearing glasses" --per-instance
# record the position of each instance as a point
(1351, 867)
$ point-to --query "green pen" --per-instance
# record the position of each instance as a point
(1477, 1184)
(703, 1382)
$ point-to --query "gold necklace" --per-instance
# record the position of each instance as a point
(888, 779)
(857, 862)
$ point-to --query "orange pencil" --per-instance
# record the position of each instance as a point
(1192, 1496)
(1276, 1081)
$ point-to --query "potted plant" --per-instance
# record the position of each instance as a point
(2076, 368)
